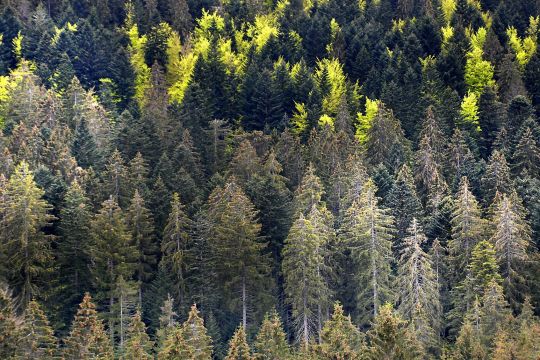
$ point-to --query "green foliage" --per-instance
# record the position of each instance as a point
(524, 48)
(469, 111)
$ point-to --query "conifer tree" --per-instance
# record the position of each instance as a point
(404, 203)
(74, 247)
(497, 177)
(87, 339)
(238, 346)
(468, 345)
(10, 324)
(167, 321)
(304, 284)
(467, 228)
(141, 225)
(25, 245)
(138, 344)
(113, 253)
(512, 239)
(174, 347)
(368, 230)
(176, 245)
(116, 182)
(195, 336)
(271, 341)
(340, 338)
(37, 337)
(235, 242)
(418, 290)
(138, 176)
(390, 337)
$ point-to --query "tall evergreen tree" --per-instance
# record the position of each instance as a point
(237, 249)
(497, 177)
(512, 240)
(10, 324)
(467, 228)
(176, 246)
(418, 290)
(26, 246)
(141, 225)
(368, 230)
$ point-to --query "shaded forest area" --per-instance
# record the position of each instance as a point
(277, 179)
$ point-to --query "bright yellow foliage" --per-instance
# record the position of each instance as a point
(469, 110)
(526, 47)
(337, 80)
(365, 120)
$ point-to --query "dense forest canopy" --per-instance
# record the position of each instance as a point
(277, 179)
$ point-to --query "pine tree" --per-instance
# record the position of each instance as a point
(368, 230)
(238, 260)
(37, 337)
(467, 228)
(238, 346)
(138, 344)
(25, 245)
(87, 339)
(176, 245)
(340, 338)
(74, 247)
(418, 290)
(512, 239)
(390, 338)
(10, 324)
(141, 225)
(113, 253)
(271, 341)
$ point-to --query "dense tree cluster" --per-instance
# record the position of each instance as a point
(285, 179)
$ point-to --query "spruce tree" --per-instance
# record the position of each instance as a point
(467, 228)
(271, 341)
(237, 249)
(37, 337)
(10, 324)
(115, 179)
(368, 230)
(497, 177)
(113, 254)
(340, 338)
(527, 154)
(419, 301)
(404, 203)
(141, 225)
(238, 346)
(176, 246)
(304, 284)
(512, 240)
(74, 247)
(390, 338)
(138, 344)
(26, 247)
(195, 336)
(87, 339)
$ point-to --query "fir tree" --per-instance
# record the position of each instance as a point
(195, 336)
(10, 324)
(238, 346)
(527, 154)
(141, 225)
(497, 177)
(467, 228)
(340, 338)
(418, 290)
(37, 337)
(512, 239)
(87, 339)
(271, 341)
(368, 230)
(113, 253)
(176, 245)
(238, 258)
(25, 245)
(138, 344)
(74, 247)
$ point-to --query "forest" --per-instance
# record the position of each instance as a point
(270, 179)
